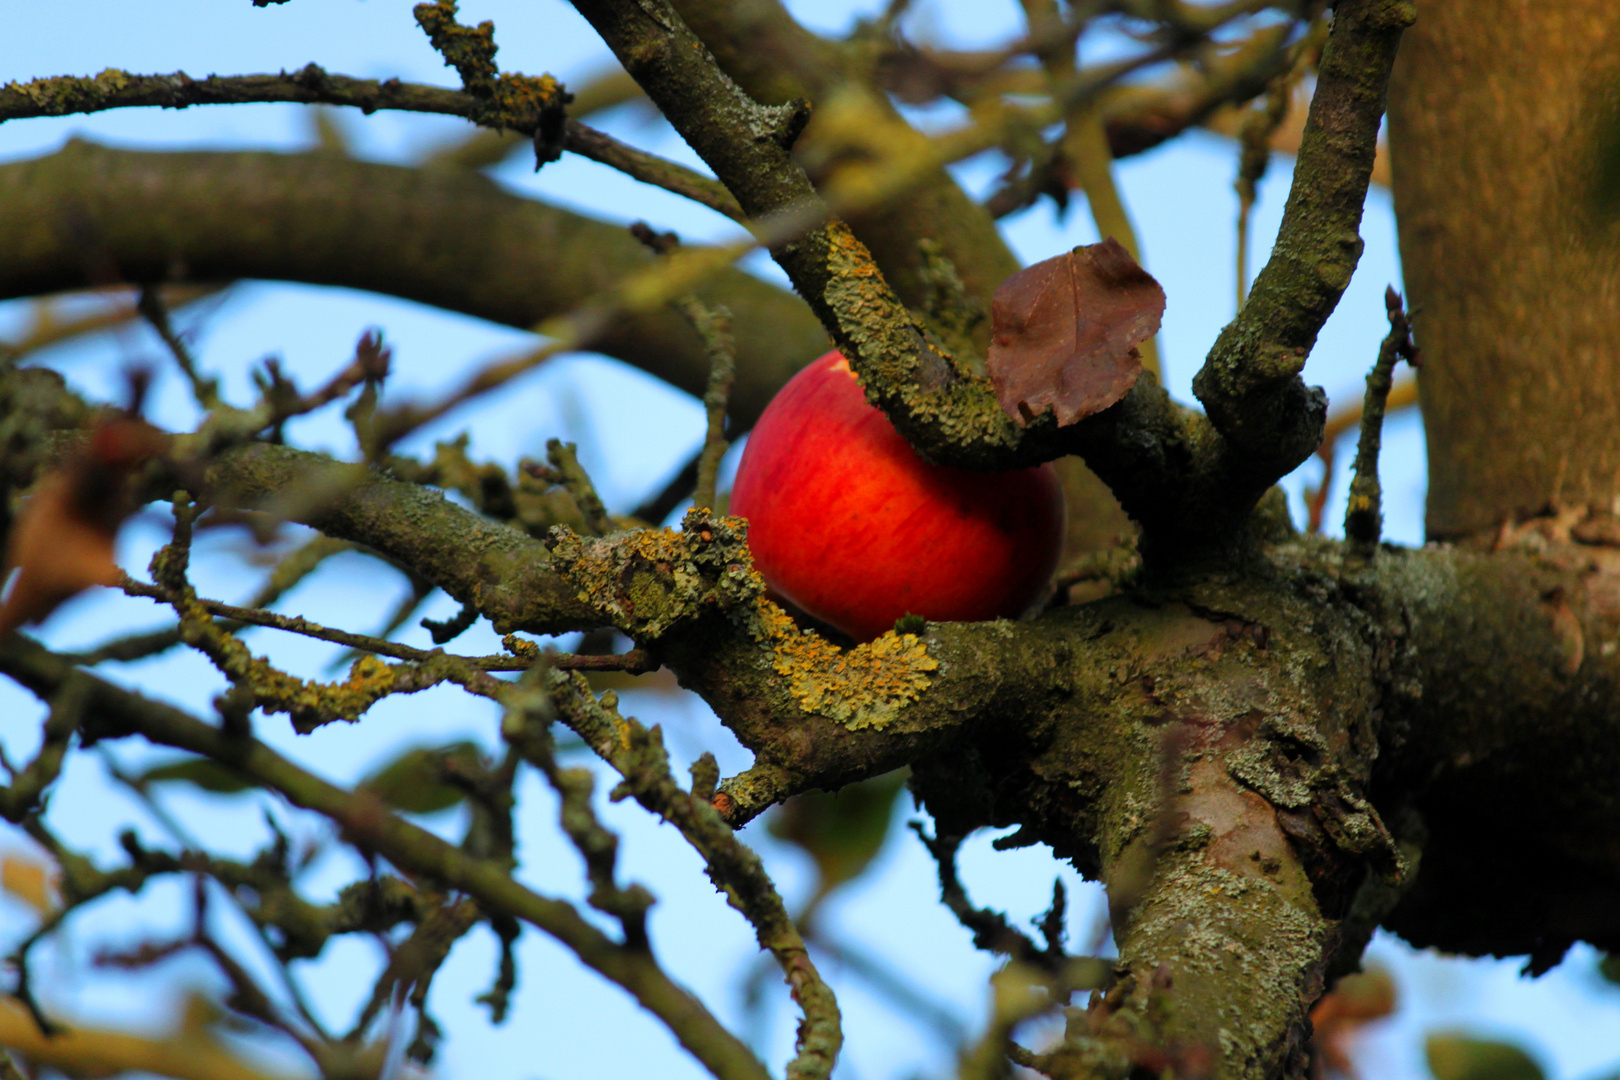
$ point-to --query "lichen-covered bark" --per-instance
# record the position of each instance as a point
(1501, 728)
(1264, 748)
(1223, 749)
(1504, 138)
(455, 240)
(1189, 484)
(775, 60)
(1211, 768)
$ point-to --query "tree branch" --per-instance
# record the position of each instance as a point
(1172, 473)
(90, 1051)
(1525, 746)
(776, 61)
(64, 95)
(447, 238)
(1250, 381)
(370, 826)
(639, 756)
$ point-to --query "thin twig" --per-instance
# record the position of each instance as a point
(573, 478)
(1364, 517)
(1402, 395)
(991, 930)
(638, 164)
(297, 565)
(63, 95)
(714, 327)
(407, 846)
(639, 756)
(635, 661)
(156, 313)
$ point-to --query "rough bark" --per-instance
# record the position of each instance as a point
(1504, 140)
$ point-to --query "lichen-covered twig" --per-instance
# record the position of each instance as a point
(120, 713)
(293, 568)
(367, 643)
(112, 89)
(572, 477)
(638, 755)
(1364, 516)
(1250, 381)
(527, 728)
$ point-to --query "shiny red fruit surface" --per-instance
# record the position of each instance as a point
(847, 522)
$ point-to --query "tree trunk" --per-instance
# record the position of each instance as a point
(1504, 126)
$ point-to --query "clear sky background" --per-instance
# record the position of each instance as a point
(632, 432)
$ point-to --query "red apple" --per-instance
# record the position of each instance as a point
(847, 522)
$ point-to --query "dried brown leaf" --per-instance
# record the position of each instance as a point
(1065, 331)
(62, 542)
(30, 881)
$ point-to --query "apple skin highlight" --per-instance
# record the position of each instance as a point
(849, 523)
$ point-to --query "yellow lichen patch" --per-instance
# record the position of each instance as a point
(521, 98)
(311, 703)
(863, 687)
(63, 91)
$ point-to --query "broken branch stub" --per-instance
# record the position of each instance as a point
(1065, 331)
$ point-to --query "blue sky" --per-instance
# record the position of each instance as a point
(632, 432)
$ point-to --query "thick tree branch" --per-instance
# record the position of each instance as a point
(459, 242)
(442, 237)
(1168, 743)
(1250, 381)
(1170, 470)
(1468, 735)
(748, 145)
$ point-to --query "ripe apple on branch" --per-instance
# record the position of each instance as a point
(850, 524)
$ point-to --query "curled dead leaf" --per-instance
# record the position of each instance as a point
(62, 542)
(1065, 330)
(30, 880)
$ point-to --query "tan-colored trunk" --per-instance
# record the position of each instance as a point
(1504, 119)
